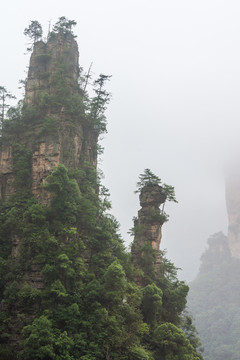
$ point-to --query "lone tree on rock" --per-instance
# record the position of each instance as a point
(34, 32)
(4, 95)
(149, 179)
(64, 26)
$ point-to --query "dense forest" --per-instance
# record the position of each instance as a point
(214, 300)
(69, 289)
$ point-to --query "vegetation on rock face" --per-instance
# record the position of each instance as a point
(151, 183)
(4, 97)
(214, 300)
(64, 26)
(88, 305)
(148, 178)
(67, 283)
(34, 32)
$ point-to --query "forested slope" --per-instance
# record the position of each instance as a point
(68, 286)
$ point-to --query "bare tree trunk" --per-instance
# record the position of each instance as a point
(87, 77)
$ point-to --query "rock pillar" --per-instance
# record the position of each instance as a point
(148, 225)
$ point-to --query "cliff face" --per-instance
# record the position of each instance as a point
(66, 283)
(233, 210)
(55, 129)
(148, 225)
(6, 168)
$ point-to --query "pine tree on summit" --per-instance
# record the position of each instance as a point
(34, 32)
(64, 26)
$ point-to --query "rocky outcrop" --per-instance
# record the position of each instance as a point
(55, 129)
(6, 171)
(148, 225)
(59, 54)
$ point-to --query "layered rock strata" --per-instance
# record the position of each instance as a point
(53, 127)
(51, 134)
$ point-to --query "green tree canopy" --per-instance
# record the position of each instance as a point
(64, 25)
(33, 32)
(148, 178)
(171, 344)
(68, 287)
(4, 97)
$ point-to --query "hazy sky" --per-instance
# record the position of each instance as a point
(175, 100)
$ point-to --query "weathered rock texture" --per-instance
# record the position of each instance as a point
(6, 169)
(233, 210)
(53, 129)
(148, 225)
(52, 135)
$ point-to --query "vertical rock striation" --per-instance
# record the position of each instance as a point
(54, 127)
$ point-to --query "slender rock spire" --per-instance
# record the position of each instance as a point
(148, 226)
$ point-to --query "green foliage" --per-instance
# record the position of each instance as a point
(65, 97)
(65, 200)
(97, 105)
(70, 287)
(146, 262)
(15, 113)
(58, 289)
(190, 330)
(151, 303)
(4, 97)
(48, 127)
(174, 293)
(28, 296)
(149, 181)
(114, 284)
(64, 26)
(22, 168)
(153, 216)
(11, 293)
(169, 191)
(147, 178)
(90, 306)
(139, 353)
(34, 31)
(171, 344)
(138, 229)
(41, 341)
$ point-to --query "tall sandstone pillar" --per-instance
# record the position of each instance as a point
(52, 128)
(148, 226)
(55, 128)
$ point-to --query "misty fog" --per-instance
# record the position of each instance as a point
(175, 101)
